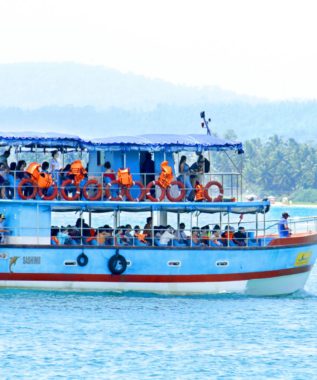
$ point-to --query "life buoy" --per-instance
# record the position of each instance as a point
(181, 188)
(150, 196)
(117, 264)
(108, 192)
(142, 192)
(82, 260)
(24, 182)
(46, 197)
(92, 183)
(65, 195)
(219, 196)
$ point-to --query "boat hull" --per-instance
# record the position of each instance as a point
(262, 271)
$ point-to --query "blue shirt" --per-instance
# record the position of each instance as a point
(283, 228)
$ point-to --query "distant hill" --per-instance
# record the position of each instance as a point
(36, 85)
(289, 119)
(92, 101)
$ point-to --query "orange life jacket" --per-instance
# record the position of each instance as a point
(78, 171)
(140, 237)
(124, 177)
(166, 176)
(227, 234)
(199, 189)
(33, 170)
(45, 180)
(54, 238)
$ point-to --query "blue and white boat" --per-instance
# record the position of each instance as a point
(33, 255)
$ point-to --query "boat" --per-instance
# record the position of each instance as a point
(35, 254)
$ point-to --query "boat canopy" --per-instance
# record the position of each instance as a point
(168, 142)
(38, 139)
(149, 142)
(176, 207)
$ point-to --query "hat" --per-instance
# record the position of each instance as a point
(2, 216)
(285, 215)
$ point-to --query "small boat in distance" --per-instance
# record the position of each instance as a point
(192, 242)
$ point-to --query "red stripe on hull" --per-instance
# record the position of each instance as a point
(296, 239)
(151, 278)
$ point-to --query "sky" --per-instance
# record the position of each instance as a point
(259, 48)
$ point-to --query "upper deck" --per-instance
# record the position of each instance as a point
(143, 156)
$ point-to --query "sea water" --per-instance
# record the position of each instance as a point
(63, 335)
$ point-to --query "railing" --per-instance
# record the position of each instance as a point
(160, 236)
(104, 186)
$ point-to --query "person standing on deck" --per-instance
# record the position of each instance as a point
(283, 229)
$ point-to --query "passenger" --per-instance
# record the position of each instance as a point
(195, 238)
(181, 236)
(4, 157)
(109, 238)
(74, 236)
(109, 175)
(20, 169)
(199, 192)
(62, 235)
(167, 237)
(100, 238)
(83, 228)
(128, 234)
(183, 170)
(3, 230)
(54, 238)
(147, 168)
(227, 236)
(215, 238)
(55, 165)
(196, 170)
(240, 237)
(205, 235)
(139, 239)
(45, 166)
(11, 181)
(119, 236)
(147, 230)
(283, 229)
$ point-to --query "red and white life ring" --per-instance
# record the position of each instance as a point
(49, 197)
(142, 192)
(219, 197)
(92, 183)
(65, 195)
(24, 182)
(150, 196)
(181, 189)
(108, 192)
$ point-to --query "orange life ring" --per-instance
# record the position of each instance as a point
(22, 183)
(181, 188)
(96, 184)
(63, 192)
(219, 196)
(142, 192)
(150, 196)
(49, 197)
(108, 192)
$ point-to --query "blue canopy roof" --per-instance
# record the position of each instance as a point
(31, 139)
(168, 142)
(148, 142)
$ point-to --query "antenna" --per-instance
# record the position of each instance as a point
(204, 123)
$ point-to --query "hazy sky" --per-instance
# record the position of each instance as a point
(264, 48)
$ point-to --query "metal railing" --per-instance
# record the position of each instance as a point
(224, 236)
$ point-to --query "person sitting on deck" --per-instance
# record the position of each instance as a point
(205, 235)
(128, 235)
(283, 228)
(62, 235)
(119, 236)
(139, 239)
(109, 238)
(54, 238)
(167, 236)
(181, 237)
(215, 238)
(240, 237)
(227, 236)
(99, 238)
(195, 238)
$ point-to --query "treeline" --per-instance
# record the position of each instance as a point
(279, 167)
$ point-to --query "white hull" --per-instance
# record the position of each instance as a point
(260, 287)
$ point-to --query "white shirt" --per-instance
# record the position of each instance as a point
(55, 165)
(166, 237)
